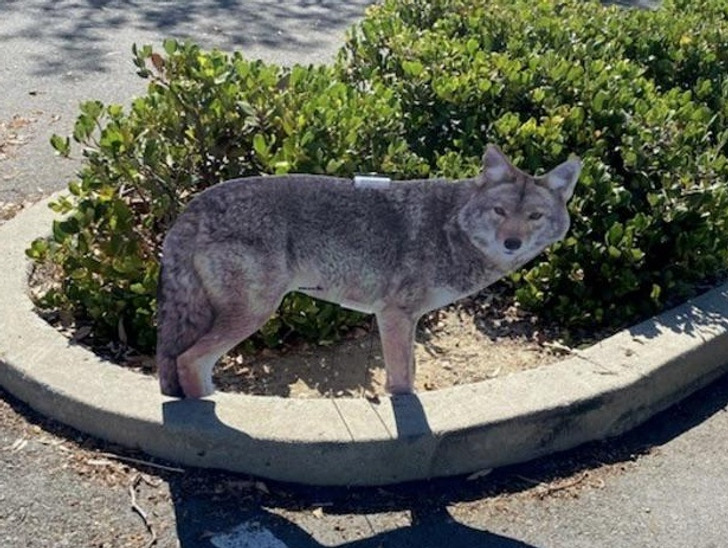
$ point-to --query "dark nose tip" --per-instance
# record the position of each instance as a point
(512, 244)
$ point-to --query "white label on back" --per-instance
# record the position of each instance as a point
(371, 181)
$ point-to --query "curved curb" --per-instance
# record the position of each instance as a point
(603, 391)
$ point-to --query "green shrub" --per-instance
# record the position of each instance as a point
(418, 89)
(640, 95)
(206, 117)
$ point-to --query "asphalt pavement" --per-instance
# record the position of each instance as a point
(56, 54)
(664, 484)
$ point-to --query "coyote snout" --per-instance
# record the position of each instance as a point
(512, 244)
(397, 250)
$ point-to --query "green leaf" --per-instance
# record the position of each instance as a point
(655, 292)
(614, 236)
(599, 100)
(137, 288)
(83, 128)
(38, 249)
(69, 226)
(62, 145)
(413, 68)
(637, 254)
(92, 109)
(169, 45)
(115, 111)
(261, 147)
(58, 234)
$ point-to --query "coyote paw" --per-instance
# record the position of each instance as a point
(400, 389)
(169, 384)
(193, 385)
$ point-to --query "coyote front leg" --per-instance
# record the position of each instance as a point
(397, 332)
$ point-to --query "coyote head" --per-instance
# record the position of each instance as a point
(513, 216)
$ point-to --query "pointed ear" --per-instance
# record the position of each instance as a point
(495, 165)
(562, 179)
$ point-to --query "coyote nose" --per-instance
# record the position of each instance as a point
(511, 244)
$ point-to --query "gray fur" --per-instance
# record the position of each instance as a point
(398, 251)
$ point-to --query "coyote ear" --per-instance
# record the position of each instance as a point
(562, 179)
(495, 166)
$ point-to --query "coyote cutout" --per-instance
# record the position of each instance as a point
(397, 250)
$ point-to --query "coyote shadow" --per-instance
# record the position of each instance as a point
(209, 503)
(429, 528)
(214, 508)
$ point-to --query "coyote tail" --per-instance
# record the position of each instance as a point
(184, 312)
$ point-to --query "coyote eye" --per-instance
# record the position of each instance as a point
(535, 216)
(499, 211)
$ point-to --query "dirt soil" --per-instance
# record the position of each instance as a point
(478, 339)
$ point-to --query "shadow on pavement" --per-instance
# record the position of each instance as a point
(432, 529)
(76, 33)
(268, 504)
(206, 502)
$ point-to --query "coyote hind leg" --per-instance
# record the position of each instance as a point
(194, 365)
(206, 307)
(184, 314)
(243, 294)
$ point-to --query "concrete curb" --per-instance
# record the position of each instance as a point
(603, 391)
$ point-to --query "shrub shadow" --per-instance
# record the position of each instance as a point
(77, 34)
(346, 369)
(701, 315)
